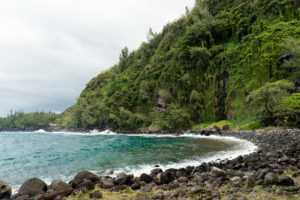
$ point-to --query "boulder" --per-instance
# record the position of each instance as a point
(166, 177)
(121, 179)
(33, 187)
(196, 189)
(158, 195)
(5, 190)
(285, 181)
(58, 187)
(218, 172)
(96, 195)
(146, 178)
(106, 183)
(87, 184)
(182, 179)
(225, 127)
(135, 186)
(250, 181)
(82, 176)
(156, 171)
(270, 178)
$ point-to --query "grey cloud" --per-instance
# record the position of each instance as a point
(49, 50)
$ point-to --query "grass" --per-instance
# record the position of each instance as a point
(127, 194)
(247, 124)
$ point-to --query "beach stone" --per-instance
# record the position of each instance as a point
(250, 181)
(82, 176)
(106, 183)
(121, 179)
(166, 177)
(146, 178)
(156, 171)
(158, 195)
(118, 188)
(5, 190)
(182, 179)
(218, 172)
(87, 184)
(148, 188)
(195, 189)
(33, 187)
(96, 195)
(270, 178)
(285, 181)
(58, 186)
(135, 186)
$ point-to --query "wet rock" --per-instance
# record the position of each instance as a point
(146, 178)
(166, 177)
(58, 187)
(181, 173)
(156, 171)
(122, 179)
(106, 183)
(96, 195)
(33, 187)
(82, 176)
(5, 190)
(285, 181)
(87, 184)
(158, 195)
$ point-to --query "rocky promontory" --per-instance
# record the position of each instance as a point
(271, 172)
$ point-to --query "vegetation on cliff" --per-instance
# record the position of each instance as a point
(209, 65)
(200, 68)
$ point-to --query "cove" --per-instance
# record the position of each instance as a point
(50, 156)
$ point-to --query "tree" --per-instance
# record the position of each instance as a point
(266, 99)
(290, 109)
(123, 58)
(291, 60)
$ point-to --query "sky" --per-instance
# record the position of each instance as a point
(49, 50)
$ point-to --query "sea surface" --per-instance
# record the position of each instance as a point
(50, 156)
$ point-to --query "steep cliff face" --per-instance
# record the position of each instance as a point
(199, 68)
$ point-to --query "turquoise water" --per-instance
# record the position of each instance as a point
(61, 155)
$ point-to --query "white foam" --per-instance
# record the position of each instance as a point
(242, 148)
(40, 131)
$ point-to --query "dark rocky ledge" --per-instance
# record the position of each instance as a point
(245, 177)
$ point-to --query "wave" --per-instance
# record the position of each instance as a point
(243, 148)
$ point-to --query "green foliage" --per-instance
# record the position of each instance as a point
(175, 118)
(290, 109)
(22, 121)
(266, 99)
(172, 79)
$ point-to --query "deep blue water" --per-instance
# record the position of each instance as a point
(61, 155)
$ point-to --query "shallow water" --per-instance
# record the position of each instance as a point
(61, 155)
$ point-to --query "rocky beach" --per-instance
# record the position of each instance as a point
(272, 172)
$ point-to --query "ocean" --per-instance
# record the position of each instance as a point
(61, 155)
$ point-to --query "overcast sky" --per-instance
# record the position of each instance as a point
(49, 50)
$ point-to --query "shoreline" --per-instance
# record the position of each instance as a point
(268, 141)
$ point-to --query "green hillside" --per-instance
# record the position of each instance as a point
(212, 64)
